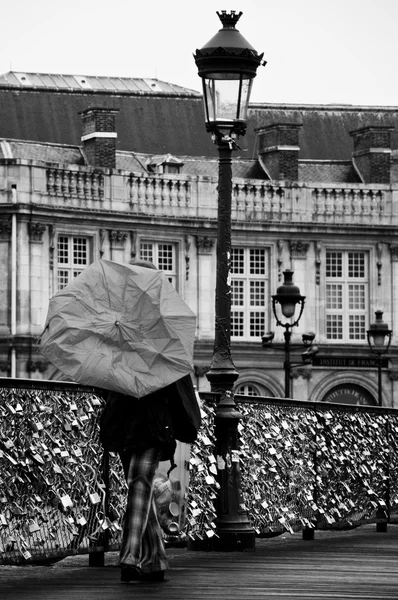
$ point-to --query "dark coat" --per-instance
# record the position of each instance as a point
(130, 424)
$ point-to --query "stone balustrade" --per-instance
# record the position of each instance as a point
(348, 204)
(66, 183)
(154, 195)
(185, 196)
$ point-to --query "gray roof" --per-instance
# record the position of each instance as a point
(157, 118)
(128, 85)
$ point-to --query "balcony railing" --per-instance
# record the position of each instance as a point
(253, 200)
(186, 196)
(303, 466)
(84, 185)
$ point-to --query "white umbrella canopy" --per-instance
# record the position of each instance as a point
(120, 327)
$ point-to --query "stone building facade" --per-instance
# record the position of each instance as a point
(315, 190)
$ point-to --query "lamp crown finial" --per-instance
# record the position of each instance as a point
(229, 20)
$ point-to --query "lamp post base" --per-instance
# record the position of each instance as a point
(238, 539)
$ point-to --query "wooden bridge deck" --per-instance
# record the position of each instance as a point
(358, 564)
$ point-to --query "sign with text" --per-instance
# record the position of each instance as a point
(347, 362)
(349, 394)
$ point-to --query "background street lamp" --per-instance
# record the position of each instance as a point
(377, 334)
(227, 65)
(288, 297)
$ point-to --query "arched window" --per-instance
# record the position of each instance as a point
(248, 390)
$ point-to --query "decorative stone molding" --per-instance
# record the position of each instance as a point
(36, 365)
(318, 262)
(205, 244)
(379, 263)
(303, 372)
(51, 231)
(133, 245)
(35, 231)
(187, 256)
(5, 231)
(394, 253)
(117, 239)
(279, 248)
(393, 374)
(298, 249)
(101, 235)
(200, 371)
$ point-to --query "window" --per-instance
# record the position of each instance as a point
(346, 296)
(254, 389)
(163, 256)
(249, 292)
(248, 390)
(72, 258)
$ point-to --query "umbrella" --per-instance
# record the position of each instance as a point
(120, 327)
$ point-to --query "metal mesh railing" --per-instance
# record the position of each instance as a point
(60, 493)
(302, 465)
(317, 465)
(52, 495)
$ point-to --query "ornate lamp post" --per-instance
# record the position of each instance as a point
(377, 334)
(288, 297)
(227, 65)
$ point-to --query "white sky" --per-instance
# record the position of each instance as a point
(317, 51)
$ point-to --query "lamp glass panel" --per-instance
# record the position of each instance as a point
(288, 309)
(378, 339)
(225, 99)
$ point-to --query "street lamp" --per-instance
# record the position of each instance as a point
(227, 65)
(288, 297)
(377, 334)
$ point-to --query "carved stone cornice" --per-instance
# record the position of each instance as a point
(205, 244)
(5, 231)
(303, 372)
(35, 231)
(117, 239)
(298, 248)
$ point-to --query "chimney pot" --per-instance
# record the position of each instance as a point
(278, 149)
(372, 153)
(99, 136)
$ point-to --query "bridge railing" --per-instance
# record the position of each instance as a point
(302, 466)
(307, 466)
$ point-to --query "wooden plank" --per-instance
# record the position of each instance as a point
(355, 565)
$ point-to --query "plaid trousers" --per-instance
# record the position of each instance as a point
(142, 540)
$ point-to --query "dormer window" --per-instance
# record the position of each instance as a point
(165, 164)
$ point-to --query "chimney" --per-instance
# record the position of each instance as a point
(372, 153)
(278, 149)
(99, 136)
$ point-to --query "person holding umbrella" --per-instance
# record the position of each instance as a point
(141, 431)
(125, 329)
